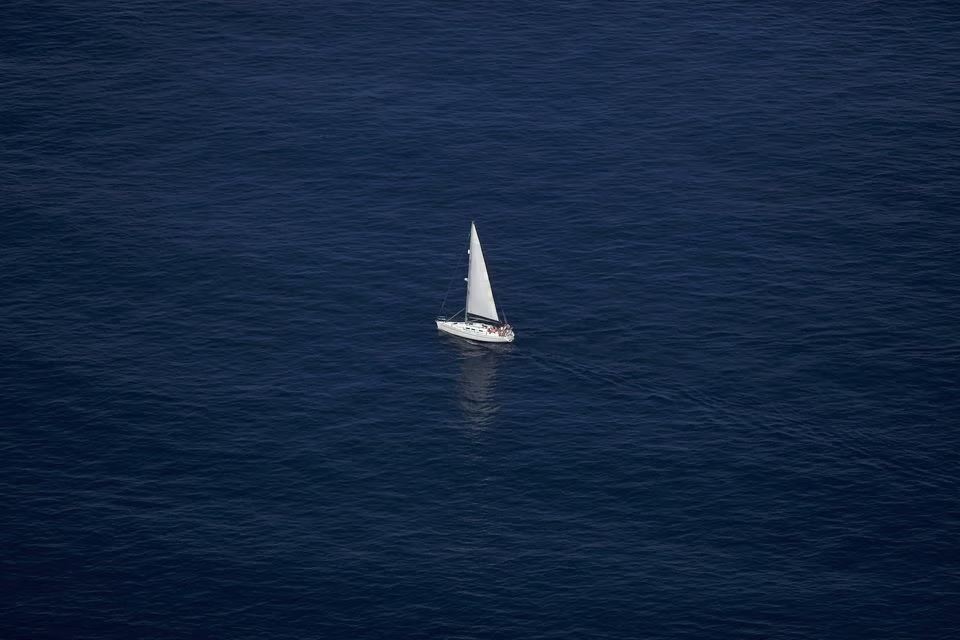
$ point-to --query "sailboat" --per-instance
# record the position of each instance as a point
(480, 320)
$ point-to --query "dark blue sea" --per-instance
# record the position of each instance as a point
(726, 234)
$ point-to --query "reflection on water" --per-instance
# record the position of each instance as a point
(478, 372)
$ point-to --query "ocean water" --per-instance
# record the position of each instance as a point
(725, 232)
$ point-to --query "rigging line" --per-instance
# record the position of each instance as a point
(459, 269)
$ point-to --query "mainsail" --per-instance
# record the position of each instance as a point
(479, 293)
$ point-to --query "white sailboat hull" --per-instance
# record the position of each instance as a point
(475, 331)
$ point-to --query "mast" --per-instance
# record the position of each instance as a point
(466, 303)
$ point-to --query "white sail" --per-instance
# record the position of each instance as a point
(479, 293)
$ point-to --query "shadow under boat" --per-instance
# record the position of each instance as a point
(477, 381)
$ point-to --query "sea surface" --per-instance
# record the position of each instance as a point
(728, 237)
